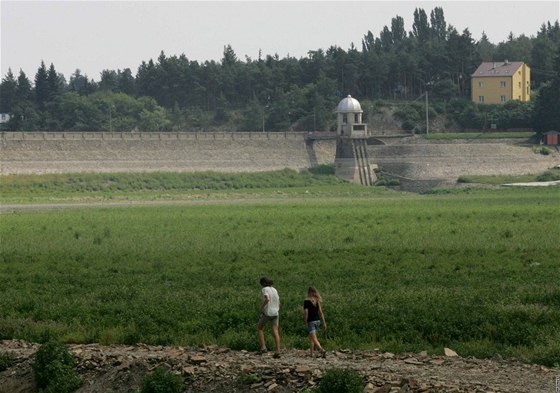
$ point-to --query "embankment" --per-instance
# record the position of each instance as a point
(412, 158)
(51, 152)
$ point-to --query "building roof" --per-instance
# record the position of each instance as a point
(506, 68)
(349, 105)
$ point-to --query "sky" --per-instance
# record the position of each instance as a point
(96, 35)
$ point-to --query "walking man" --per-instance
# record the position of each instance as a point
(269, 313)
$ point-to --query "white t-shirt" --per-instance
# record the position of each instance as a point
(273, 306)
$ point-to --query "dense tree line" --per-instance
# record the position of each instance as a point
(272, 93)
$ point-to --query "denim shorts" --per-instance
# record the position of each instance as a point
(313, 326)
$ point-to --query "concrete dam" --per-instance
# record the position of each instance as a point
(406, 157)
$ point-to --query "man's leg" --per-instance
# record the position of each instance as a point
(276, 337)
(260, 334)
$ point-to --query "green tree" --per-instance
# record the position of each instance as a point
(8, 93)
(420, 27)
(547, 102)
(438, 26)
(126, 82)
(109, 81)
(542, 57)
(514, 49)
(41, 86)
(78, 82)
(24, 89)
(55, 83)
(484, 48)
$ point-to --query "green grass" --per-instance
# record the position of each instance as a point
(479, 135)
(81, 187)
(550, 175)
(474, 271)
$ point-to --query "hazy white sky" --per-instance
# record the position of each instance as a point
(97, 35)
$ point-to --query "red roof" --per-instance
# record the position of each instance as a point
(506, 68)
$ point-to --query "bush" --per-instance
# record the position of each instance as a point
(162, 381)
(55, 369)
(545, 151)
(387, 182)
(7, 360)
(549, 176)
(341, 381)
(322, 170)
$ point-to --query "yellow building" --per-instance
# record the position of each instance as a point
(495, 83)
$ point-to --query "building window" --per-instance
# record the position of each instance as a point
(527, 89)
(520, 85)
(480, 84)
(502, 83)
(344, 119)
(503, 98)
(480, 99)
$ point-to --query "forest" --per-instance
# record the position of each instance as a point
(396, 67)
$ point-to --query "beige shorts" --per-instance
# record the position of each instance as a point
(265, 318)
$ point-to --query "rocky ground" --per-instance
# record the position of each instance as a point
(119, 369)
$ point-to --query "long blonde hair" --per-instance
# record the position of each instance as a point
(314, 296)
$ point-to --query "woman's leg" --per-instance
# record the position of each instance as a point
(311, 337)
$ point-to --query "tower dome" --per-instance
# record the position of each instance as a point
(349, 105)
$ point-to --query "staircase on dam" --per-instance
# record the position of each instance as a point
(352, 161)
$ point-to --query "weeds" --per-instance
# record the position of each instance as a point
(54, 369)
(162, 381)
(341, 381)
(7, 360)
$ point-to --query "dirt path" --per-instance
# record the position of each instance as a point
(10, 208)
(118, 368)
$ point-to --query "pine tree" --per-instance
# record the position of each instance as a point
(8, 92)
(546, 114)
(41, 86)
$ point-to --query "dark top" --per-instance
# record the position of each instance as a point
(312, 310)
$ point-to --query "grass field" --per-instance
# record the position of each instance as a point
(476, 271)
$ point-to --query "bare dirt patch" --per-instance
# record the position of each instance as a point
(120, 368)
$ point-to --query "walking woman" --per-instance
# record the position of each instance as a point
(313, 318)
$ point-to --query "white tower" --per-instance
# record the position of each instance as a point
(351, 162)
(349, 119)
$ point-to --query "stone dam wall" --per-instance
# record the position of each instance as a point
(51, 152)
(417, 158)
(411, 157)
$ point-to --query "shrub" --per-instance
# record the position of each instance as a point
(387, 182)
(545, 151)
(549, 176)
(7, 360)
(55, 369)
(341, 381)
(247, 378)
(162, 381)
(322, 170)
